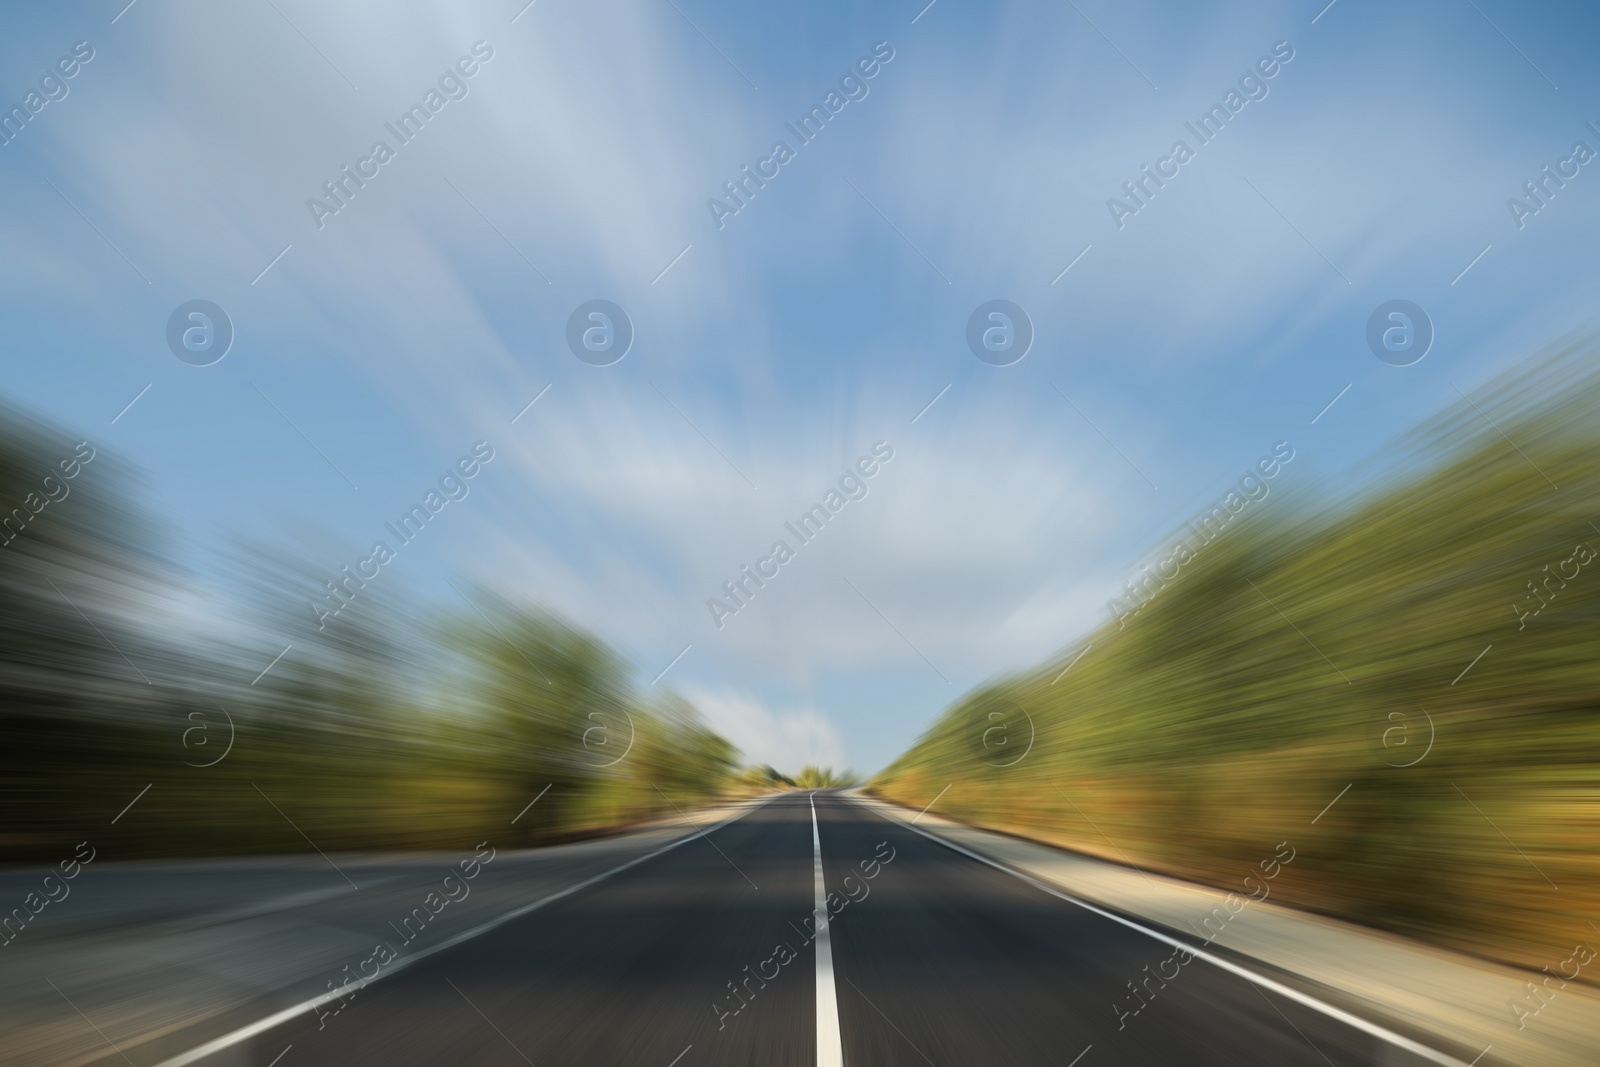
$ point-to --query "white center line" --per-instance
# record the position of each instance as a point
(1086, 1048)
(680, 1056)
(830, 1051)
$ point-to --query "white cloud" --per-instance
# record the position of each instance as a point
(787, 740)
(793, 339)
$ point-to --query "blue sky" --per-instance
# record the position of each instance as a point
(822, 318)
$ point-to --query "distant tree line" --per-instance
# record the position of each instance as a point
(1429, 641)
(397, 725)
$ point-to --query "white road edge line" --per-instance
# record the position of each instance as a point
(1366, 1027)
(261, 1026)
(830, 1051)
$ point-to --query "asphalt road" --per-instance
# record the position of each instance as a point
(705, 954)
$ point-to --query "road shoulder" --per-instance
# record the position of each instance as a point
(1442, 998)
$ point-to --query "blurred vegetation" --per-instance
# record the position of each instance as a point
(1306, 650)
(763, 778)
(812, 777)
(398, 726)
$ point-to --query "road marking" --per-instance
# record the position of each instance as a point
(680, 1056)
(276, 1019)
(830, 1052)
(1366, 1027)
(710, 842)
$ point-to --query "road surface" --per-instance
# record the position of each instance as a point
(707, 953)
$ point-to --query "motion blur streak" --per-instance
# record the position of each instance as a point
(1213, 726)
(1177, 425)
(380, 731)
